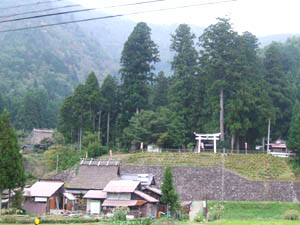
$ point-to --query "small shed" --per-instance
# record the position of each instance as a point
(94, 200)
(44, 196)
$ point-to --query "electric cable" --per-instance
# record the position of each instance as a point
(118, 15)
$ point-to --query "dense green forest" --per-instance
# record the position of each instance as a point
(119, 89)
(221, 81)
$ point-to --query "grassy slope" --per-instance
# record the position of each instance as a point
(253, 167)
(255, 210)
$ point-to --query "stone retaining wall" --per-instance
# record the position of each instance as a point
(198, 183)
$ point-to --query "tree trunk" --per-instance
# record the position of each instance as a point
(8, 203)
(99, 125)
(222, 114)
(238, 144)
(232, 142)
(263, 144)
(107, 138)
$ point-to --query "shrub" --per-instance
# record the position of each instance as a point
(120, 213)
(291, 215)
(9, 219)
(200, 217)
(215, 212)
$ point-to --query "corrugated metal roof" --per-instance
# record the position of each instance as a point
(146, 197)
(155, 190)
(95, 194)
(69, 196)
(115, 203)
(43, 188)
(145, 178)
(121, 186)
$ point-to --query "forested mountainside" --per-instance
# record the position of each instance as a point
(40, 67)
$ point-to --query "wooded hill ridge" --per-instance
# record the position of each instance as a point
(177, 94)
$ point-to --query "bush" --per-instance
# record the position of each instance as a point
(291, 215)
(200, 217)
(120, 213)
(9, 219)
(215, 212)
(12, 211)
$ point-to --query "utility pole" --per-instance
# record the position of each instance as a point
(57, 159)
(269, 128)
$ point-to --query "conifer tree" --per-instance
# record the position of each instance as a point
(169, 195)
(11, 163)
(138, 57)
(183, 88)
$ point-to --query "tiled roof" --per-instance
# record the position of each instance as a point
(122, 186)
(95, 194)
(148, 198)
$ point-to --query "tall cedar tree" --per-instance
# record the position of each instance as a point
(110, 101)
(160, 91)
(93, 98)
(182, 95)
(169, 195)
(11, 163)
(247, 101)
(217, 50)
(137, 59)
(293, 141)
(279, 90)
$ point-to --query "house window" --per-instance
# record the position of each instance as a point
(118, 196)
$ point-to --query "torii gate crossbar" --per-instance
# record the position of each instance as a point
(212, 137)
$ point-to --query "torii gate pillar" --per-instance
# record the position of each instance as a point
(212, 137)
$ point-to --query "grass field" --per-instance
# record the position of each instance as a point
(254, 210)
(260, 167)
(254, 222)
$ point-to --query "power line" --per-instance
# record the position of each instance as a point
(38, 11)
(114, 16)
(77, 11)
(30, 4)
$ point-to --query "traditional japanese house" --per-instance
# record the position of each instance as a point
(127, 193)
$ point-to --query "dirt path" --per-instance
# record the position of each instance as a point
(195, 208)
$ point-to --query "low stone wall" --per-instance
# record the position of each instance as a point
(199, 183)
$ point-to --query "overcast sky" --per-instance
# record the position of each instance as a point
(260, 17)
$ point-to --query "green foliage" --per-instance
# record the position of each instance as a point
(215, 212)
(12, 173)
(169, 195)
(162, 127)
(280, 90)
(67, 157)
(120, 213)
(291, 215)
(17, 199)
(185, 86)
(293, 141)
(137, 59)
